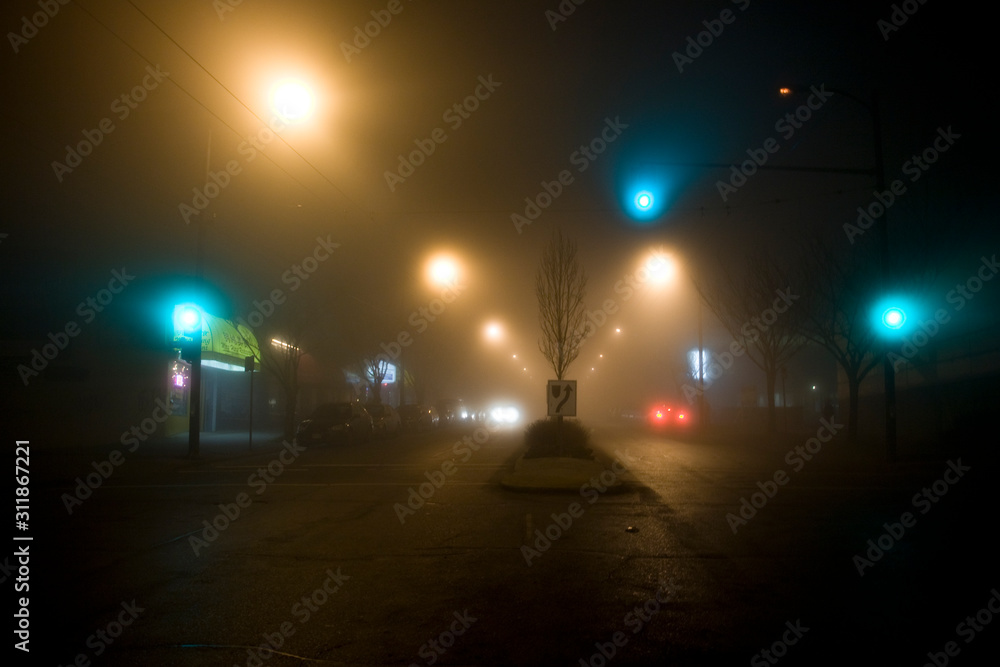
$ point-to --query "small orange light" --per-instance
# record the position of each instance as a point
(785, 91)
(680, 416)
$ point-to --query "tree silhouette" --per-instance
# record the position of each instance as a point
(758, 306)
(837, 317)
(560, 285)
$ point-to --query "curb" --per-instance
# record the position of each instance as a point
(563, 474)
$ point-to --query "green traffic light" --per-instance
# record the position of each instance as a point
(644, 201)
(894, 318)
(187, 318)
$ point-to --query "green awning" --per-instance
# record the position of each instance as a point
(223, 341)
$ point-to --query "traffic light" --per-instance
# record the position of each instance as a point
(187, 320)
(644, 200)
(894, 317)
(188, 323)
(187, 331)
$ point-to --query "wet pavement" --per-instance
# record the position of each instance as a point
(410, 551)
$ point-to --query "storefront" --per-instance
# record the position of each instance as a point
(225, 380)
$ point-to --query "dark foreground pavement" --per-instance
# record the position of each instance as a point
(410, 551)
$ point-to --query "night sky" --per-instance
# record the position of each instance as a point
(154, 91)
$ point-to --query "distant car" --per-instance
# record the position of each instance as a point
(386, 422)
(336, 423)
(418, 417)
(669, 417)
(503, 415)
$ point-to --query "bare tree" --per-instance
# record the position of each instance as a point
(845, 284)
(837, 315)
(373, 371)
(756, 304)
(560, 285)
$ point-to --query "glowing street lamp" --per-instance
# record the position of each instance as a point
(493, 331)
(660, 268)
(292, 101)
(443, 270)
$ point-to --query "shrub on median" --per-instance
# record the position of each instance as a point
(542, 440)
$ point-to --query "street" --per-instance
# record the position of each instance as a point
(408, 551)
(692, 308)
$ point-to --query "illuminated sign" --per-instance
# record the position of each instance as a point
(390, 373)
(225, 343)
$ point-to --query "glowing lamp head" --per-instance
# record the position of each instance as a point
(292, 101)
(493, 331)
(660, 268)
(644, 200)
(443, 270)
(893, 318)
(784, 91)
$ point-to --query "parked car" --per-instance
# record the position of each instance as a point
(386, 422)
(418, 417)
(336, 423)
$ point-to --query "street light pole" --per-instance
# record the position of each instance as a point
(194, 394)
(888, 370)
(702, 420)
(188, 323)
(194, 411)
(199, 261)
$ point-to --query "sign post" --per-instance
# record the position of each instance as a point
(561, 400)
(248, 367)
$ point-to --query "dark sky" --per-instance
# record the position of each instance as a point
(553, 90)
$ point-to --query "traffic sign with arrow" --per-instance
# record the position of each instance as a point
(561, 398)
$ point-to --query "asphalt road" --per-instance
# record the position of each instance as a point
(338, 556)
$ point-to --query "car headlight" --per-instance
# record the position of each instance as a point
(505, 414)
